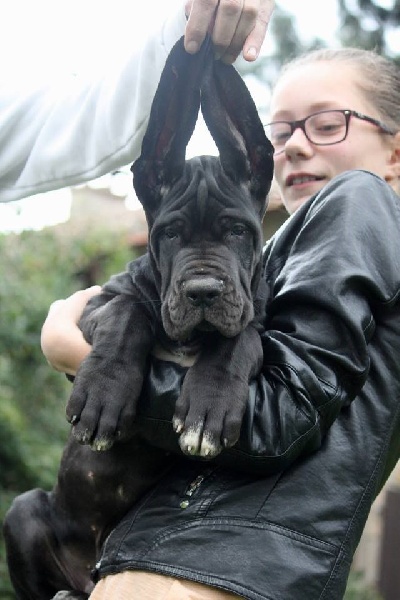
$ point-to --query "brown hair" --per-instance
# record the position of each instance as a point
(379, 78)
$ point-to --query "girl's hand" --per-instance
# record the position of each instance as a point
(62, 341)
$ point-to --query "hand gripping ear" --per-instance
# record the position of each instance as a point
(232, 118)
(171, 124)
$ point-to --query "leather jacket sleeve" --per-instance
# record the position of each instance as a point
(331, 270)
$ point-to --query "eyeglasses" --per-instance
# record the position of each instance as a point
(323, 128)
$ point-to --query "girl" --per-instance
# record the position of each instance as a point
(321, 431)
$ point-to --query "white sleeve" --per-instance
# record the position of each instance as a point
(73, 131)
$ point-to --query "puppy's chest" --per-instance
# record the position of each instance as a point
(183, 354)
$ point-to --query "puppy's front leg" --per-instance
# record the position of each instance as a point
(108, 383)
(215, 390)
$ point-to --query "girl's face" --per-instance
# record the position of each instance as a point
(304, 168)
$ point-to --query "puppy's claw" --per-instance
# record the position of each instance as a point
(101, 445)
(82, 437)
(73, 420)
(177, 424)
(209, 450)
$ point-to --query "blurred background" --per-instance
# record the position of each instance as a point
(55, 243)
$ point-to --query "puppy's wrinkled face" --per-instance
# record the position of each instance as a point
(206, 243)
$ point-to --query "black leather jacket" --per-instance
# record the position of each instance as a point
(279, 516)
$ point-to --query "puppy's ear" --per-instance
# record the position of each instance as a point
(246, 154)
(173, 117)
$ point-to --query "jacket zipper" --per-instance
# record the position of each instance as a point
(193, 487)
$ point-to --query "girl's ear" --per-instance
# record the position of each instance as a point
(393, 167)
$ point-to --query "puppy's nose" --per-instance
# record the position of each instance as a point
(203, 291)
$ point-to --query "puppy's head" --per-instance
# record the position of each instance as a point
(205, 214)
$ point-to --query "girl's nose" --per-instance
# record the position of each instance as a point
(298, 145)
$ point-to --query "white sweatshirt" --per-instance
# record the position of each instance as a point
(63, 135)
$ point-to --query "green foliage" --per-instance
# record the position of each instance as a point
(368, 24)
(357, 589)
(287, 44)
(37, 268)
(363, 23)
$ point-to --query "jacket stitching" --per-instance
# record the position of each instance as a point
(270, 526)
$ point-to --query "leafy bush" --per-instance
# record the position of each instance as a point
(37, 268)
(358, 589)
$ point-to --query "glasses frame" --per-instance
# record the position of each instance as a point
(348, 113)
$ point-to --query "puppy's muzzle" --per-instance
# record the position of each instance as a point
(203, 292)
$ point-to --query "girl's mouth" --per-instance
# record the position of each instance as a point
(301, 178)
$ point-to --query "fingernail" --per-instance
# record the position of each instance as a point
(251, 53)
(192, 47)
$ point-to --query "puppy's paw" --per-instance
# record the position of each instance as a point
(102, 404)
(195, 441)
(208, 420)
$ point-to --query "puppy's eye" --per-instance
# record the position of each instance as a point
(238, 229)
(171, 233)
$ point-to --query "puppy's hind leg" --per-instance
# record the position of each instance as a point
(39, 563)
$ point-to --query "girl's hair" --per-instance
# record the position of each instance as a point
(379, 79)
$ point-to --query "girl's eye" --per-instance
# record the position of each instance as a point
(282, 138)
(328, 127)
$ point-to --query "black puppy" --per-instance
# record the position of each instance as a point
(193, 295)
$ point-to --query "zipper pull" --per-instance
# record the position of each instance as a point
(191, 489)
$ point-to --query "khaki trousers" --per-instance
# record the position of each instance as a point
(143, 585)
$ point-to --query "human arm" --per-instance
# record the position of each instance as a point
(62, 342)
(72, 131)
(330, 272)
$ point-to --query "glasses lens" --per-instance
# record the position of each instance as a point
(323, 128)
(327, 127)
(278, 134)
